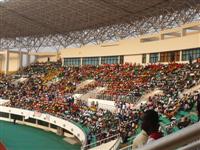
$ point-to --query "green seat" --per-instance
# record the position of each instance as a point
(175, 129)
(193, 118)
(183, 113)
(165, 120)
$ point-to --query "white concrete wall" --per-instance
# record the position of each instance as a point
(133, 58)
(104, 104)
(45, 59)
(1, 62)
(133, 48)
(76, 131)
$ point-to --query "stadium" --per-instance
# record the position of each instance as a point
(99, 74)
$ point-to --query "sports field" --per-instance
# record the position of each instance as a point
(21, 137)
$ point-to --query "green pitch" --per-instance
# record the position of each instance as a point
(21, 137)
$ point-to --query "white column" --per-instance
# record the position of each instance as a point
(158, 57)
(36, 122)
(7, 61)
(62, 60)
(20, 59)
(162, 36)
(57, 55)
(36, 58)
(28, 59)
(147, 58)
(180, 57)
(183, 32)
(99, 60)
(1, 63)
(81, 61)
(9, 116)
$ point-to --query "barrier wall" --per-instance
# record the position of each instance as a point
(104, 104)
(64, 124)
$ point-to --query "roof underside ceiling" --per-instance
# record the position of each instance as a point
(67, 22)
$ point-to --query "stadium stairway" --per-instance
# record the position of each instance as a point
(92, 93)
(84, 83)
(191, 90)
(146, 96)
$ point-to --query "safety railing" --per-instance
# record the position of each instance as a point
(117, 143)
(97, 143)
(185, 139)
(129, 147)
(192, 146)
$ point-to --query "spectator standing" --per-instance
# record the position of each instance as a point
(198, 107)
(150, 126)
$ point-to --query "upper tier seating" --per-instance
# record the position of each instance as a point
(125, 85)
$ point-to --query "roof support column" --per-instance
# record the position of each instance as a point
(99, 60)
(147, 58)
(180, 56)
(1, 63)
(36, 58)
(28, 59)
(7, 53)
(20, 59)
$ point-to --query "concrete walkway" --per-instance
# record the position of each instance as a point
(105, 146)
(84, 83)
(191, 90)
(92, 93)
(145, 97)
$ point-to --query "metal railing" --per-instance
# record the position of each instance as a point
(184, 139)
(129, 147)
(97, 143)
(192, 146)
(117, 143)
(126, 98)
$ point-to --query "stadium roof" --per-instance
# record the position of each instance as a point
(84, 21)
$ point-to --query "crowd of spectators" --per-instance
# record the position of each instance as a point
(56, 97)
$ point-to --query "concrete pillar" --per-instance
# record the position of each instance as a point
(81, 61)
(7, 62)
(36, 58)
(162, 36)
(183, 32)
(99, 60)
(180, 57)
(147, 58)
(36, 122)
(118, 59)
(28, 59)
(60, 131)
(1, 63)
(9, 116)
(158, 57)
(57, 55)
(20, 59)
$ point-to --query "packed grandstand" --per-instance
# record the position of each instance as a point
(101, 74)
(49, 88)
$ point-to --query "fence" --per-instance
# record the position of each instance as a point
(108, 139)
(185, 139)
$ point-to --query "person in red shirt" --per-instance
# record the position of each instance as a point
(198, 107)
(150, 125)
(2, 147)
